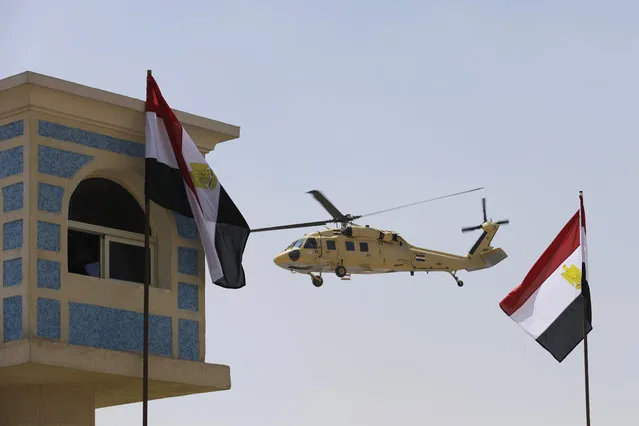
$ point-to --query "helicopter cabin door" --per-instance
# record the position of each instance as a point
(312, 246)
(362, 254)
(330, 253)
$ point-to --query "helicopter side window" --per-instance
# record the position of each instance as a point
(363, 247)
(350, 246)
(311, 243)
(330, 244)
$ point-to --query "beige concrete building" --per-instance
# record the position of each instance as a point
(72, 197)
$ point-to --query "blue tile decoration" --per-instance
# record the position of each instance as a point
(48, 318)
(12, 272)
(12, 161)
(186, 226)
(187, 296)
(187, 260)
(57, 162)
(188, 339)
(12, 318)
(48, 236)
(91, 139)
(48, 274)
(12, 234)
(12, 130)
(13, 197)
(50, 197)
(118, 329)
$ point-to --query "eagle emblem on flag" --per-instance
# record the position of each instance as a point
(573, 276)
(203, 176)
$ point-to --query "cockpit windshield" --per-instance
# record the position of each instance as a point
(297, 244)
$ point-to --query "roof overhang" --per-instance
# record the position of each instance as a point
(205, 132)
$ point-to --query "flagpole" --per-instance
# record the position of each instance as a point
(586, 377)
(147, 282)
(585, 294)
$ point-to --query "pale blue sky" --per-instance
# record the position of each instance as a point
(381, 104)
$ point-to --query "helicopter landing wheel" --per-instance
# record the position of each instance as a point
(340, 271)
(316, 280)
(459, 282)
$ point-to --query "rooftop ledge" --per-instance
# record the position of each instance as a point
(115, 376)
(205, 132)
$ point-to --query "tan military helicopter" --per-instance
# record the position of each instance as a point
(356, 249)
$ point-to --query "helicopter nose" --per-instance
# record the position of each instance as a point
(285, 258)
(281, 260)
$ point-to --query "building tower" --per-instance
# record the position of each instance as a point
(72, 261)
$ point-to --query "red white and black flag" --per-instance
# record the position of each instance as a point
(552, 304)
(178, 178)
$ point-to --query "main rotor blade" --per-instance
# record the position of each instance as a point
(420, 202)
(483, 206)
(293, 225)
(330, 208)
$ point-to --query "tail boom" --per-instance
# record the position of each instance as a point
(482, 255)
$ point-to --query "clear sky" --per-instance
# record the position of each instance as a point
(379, 104)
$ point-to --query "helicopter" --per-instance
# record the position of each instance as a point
(356, 249)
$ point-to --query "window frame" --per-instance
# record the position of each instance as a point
(351, 243)
(108, 235)
(296, 244)
(363, 244)
(330, 243)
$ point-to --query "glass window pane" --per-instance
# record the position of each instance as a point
(126, 262)
(103, 202)
(311, 243)
(84, 253)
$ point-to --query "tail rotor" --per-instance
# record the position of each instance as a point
(477, 227)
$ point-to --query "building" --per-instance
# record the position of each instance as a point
(72, 179)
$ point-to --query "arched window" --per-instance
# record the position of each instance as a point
(106, 232)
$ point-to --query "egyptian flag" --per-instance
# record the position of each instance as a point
(178, 178)
(551, 301)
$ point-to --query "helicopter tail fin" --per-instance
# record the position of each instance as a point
(489, 258)
(482, 254)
